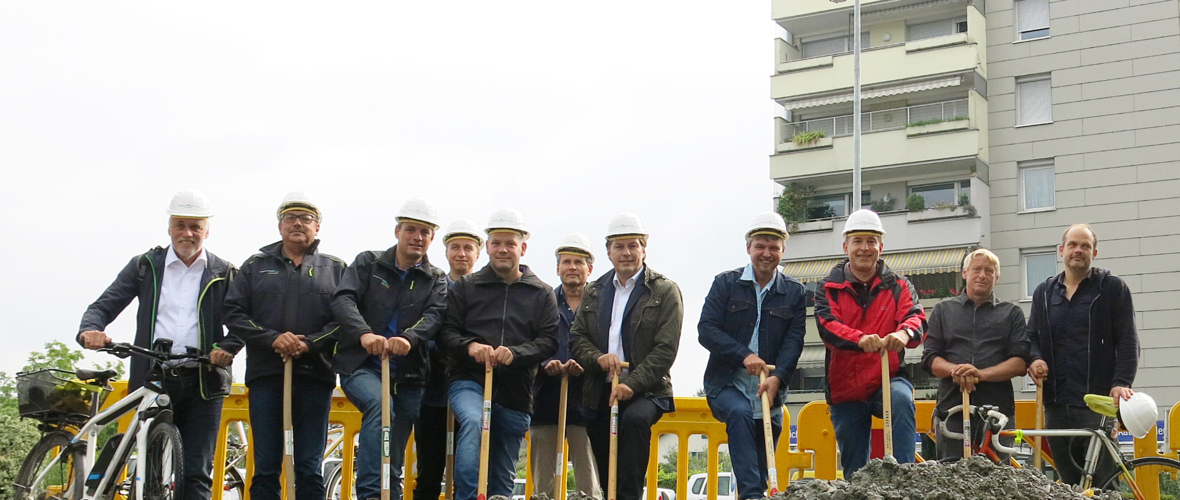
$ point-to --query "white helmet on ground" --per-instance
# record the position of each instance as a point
(625, 225)
(190, 203)
(507, 219)
(768, 223)
(298, 200)
(463, 228)
(417, 209)
(575, 243)
(1139, 414)
(864, 221)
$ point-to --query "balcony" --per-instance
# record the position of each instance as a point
(914, 135)
(783, 10)
(882, 67)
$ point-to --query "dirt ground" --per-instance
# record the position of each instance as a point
(974, 478)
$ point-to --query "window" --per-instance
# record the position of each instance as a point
(1032, 19)
(1036, 185)
(935, 29)
(1034, 100)
(698, 486)
(1036, 266)
(836, 45)
(723, 487)
(833, 205)
(945, 193)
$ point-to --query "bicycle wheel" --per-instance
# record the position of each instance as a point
(1166, 470)
(332, 483)
(164, 465)
(235, 486)
(60, 479)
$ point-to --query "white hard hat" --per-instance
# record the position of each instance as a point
(463, 228)
(191, 203)
(864, 221)
(768, 223)
(417, 209)
(298, 200)
(625, 224)
(1139, 414)
(575, 243)
(507, 219)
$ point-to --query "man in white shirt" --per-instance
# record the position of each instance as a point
(180, 290)
(632, 314)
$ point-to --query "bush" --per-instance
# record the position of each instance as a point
(18, 438)
(915, 203)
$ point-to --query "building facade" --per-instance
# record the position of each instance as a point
(987, 124)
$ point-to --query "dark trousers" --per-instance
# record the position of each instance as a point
(430, 439)
(747, 441)
(310, 403)
(636, 416)
(1069, 453)
(197, 419)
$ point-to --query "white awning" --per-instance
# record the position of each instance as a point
(873, 93)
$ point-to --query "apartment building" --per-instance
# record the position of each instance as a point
(990, 124)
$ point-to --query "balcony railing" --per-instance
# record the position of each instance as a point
(876, 121)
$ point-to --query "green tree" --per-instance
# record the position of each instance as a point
(697, 464)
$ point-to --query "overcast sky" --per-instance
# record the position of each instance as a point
(570, 112)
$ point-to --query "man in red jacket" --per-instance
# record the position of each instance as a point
(863, 309)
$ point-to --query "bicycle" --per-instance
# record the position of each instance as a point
(1100, 441)
(66, 465)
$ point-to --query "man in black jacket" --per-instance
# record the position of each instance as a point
(180, 290)
(280, 307)
(389, 304)
(1082, 330)
(500, 318)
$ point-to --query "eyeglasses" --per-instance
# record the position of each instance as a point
(305, 218)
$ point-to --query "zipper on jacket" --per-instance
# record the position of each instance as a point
(155, 300)
(504, 315)
(201, 331)
(1090, 338)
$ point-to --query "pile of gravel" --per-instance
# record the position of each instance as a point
(973, 478)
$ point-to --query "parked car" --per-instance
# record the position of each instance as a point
(518, 489)
(698, 486)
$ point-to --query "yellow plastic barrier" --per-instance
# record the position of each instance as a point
(816, 448)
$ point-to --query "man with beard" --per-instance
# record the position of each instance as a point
(1082, 329)
(863, 309)
(575, 262)
(280, 306)
(977, 343)
(389, 305)
(180, 291)
(752, 315)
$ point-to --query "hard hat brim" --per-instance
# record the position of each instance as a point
(862, 232)
(767, 232)
(306, 207)
(626, 236)
(411, 219)
(463, 236)
(523, 234)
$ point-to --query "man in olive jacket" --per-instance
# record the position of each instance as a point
(632, 314)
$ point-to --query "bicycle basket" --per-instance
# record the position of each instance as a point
(53, 395)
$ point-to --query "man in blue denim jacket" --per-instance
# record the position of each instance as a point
(755, 299)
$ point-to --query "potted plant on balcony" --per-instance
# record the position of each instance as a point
(792, 205)
(936, 125)
(808, 140)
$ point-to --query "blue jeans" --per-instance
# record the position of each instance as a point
(853, 422)
(507, 427)
(363, 388)
(747, 446)
(198, 420)
(309, 414)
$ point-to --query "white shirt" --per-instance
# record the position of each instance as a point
(622, 295)
(176, 316)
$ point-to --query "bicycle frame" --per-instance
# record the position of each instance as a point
(142, 401)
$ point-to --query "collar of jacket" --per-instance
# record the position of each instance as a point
(276, 249)
(836, 278)
(963, 300)
(1097, 274)
(779, 285)
(388, 259)
(214, 266)
(488, 276)
(647, 276)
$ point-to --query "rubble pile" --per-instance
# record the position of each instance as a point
(973, 478)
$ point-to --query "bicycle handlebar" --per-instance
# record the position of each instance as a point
(123, 349)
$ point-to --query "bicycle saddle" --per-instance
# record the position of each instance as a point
(104, 375)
